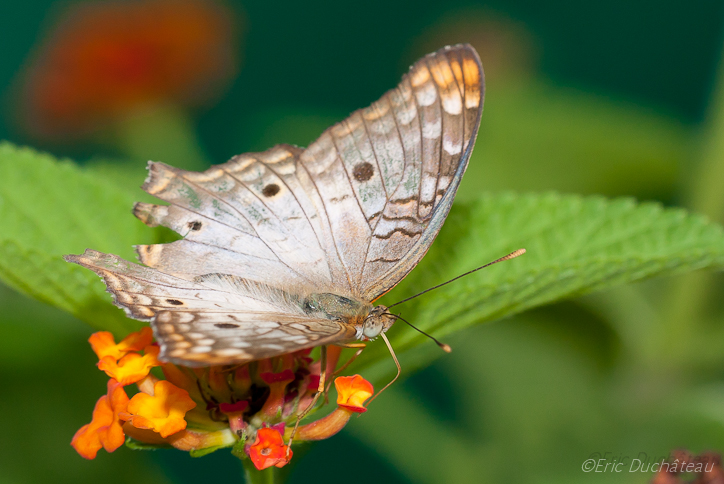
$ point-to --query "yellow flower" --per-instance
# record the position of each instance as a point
(131, 368)
(162, 412)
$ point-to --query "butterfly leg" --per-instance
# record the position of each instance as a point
(320, 389)
(397, 363)
(360, 347)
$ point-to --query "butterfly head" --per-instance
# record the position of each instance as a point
(378, 321)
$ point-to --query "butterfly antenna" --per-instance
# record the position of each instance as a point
(399, 369)
(443, 346)
(512, 255)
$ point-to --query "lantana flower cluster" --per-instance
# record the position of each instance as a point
(251, 408)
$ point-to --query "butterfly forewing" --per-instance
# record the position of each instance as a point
(389, 173)
(351, 215)
(237, 218)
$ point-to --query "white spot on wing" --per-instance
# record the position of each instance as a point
(432, 130)
(426, 95)
(200, 349)
(229, 352)
(452, 147)
(452, 103)
(405, 116)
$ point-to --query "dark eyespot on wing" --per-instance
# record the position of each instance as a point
(270, 190)
(175, 302)
(363, 171)
(226, 325)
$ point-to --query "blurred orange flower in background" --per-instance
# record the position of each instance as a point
(104, 60)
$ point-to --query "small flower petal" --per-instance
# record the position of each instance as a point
(285, 376)
(162, 412)
(235, 414)
(352, 391)
(239, 406)
(131, 368)
(269, 449)
(105, 429)
(104, 345)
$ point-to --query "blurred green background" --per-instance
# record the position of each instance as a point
(618, 99)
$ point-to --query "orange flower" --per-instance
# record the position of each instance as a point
(107, 57)
(352, 391)
(182, 379)
(162, 412)
(104, 345)
(269, 449)
(252, 407)
(105, 429)
(131, 368)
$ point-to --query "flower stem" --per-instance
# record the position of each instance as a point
(254, 476)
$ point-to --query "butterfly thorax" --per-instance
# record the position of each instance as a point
(368, 320)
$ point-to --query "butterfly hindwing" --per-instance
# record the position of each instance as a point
(239, 337)
(213, 319)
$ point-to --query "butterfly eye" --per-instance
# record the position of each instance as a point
(309, 306)
(372, 327)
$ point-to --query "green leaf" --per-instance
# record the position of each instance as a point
(574, 245)
(50, 208)
(134, 444)
(206, 451)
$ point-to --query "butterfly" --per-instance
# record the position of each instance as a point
(288, 249)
